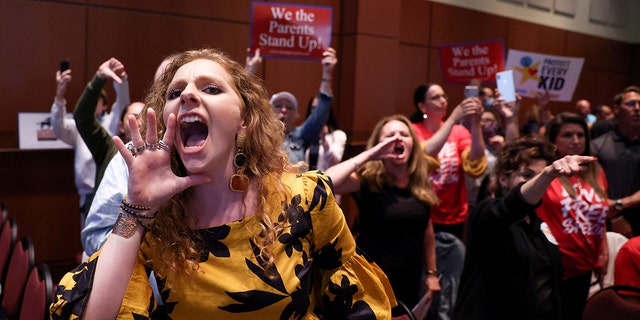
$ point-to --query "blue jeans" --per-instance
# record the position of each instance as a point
(450, 253)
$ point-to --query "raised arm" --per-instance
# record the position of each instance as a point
(123, 99)
(469, 107)
(510, 113)
(252, 62)
(434, 144)
(151, 183)
(534, 189)
(344, 176)
(477, 140)
(310, 129)
(64, 129)
(95, 135)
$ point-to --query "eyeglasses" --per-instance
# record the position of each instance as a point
(439, 96)
(281, 105)
(631, 103)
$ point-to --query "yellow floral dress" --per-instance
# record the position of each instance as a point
(318, 273)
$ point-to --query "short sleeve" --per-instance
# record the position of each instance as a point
(432, 162)
(473, 167)
(73, 291)
(349, 285)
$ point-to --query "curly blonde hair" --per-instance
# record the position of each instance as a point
(374, 174)
(265, 164)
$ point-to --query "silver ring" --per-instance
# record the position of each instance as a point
(150, 146)
(162, 145)
(132, 149)
(139, 149)
(557, 168)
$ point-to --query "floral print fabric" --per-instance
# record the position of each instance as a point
(317, 273)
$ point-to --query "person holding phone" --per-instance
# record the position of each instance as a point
(67, 131)
(460, 152)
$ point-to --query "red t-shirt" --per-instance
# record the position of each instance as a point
(577, 224)
(448, 181)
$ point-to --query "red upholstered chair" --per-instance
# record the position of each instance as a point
(4, 211)
(402, 312)
(19, 266)
(8, 235)
(613, 303)
(37, 295)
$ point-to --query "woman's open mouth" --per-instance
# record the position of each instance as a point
(193, 131)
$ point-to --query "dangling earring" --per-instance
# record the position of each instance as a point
(239, 182)
(425, 116)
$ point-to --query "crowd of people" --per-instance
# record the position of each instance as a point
(209, 201)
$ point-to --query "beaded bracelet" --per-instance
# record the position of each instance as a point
(138, 214)
(133, 206)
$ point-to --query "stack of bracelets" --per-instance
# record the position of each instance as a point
(130, 214)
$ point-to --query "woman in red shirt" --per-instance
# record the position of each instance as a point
(459, 151)
(575, 208)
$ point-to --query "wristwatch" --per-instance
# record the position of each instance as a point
(618, 205)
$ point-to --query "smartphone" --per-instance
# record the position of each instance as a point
(64, 65)
(470, 91)
(504, 80)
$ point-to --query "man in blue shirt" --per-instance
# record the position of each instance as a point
(285, 106)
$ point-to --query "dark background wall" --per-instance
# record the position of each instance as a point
(386, 48)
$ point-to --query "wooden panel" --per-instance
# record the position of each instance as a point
(140, 40)
(598, 52)
(30, 56)
(454, 25)
(531, 37)
(349, 19)
(375, 91)
(227, 10)
(232, 10)
(635, 64)
(38, 187)
(414, 22)
(413, 66)
(599, 87)
(345, 111)
(379, 17)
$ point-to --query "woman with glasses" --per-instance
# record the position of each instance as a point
(460, 152)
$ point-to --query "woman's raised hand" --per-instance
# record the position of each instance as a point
(571, 165)
(151, 180)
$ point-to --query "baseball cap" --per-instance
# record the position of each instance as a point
(284, 95)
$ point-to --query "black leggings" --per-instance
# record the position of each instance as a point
(575, 291)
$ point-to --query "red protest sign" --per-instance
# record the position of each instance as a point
(462, 63)
(290, 31)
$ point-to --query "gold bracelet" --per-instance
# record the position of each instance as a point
(431, 272)
(125, 226)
